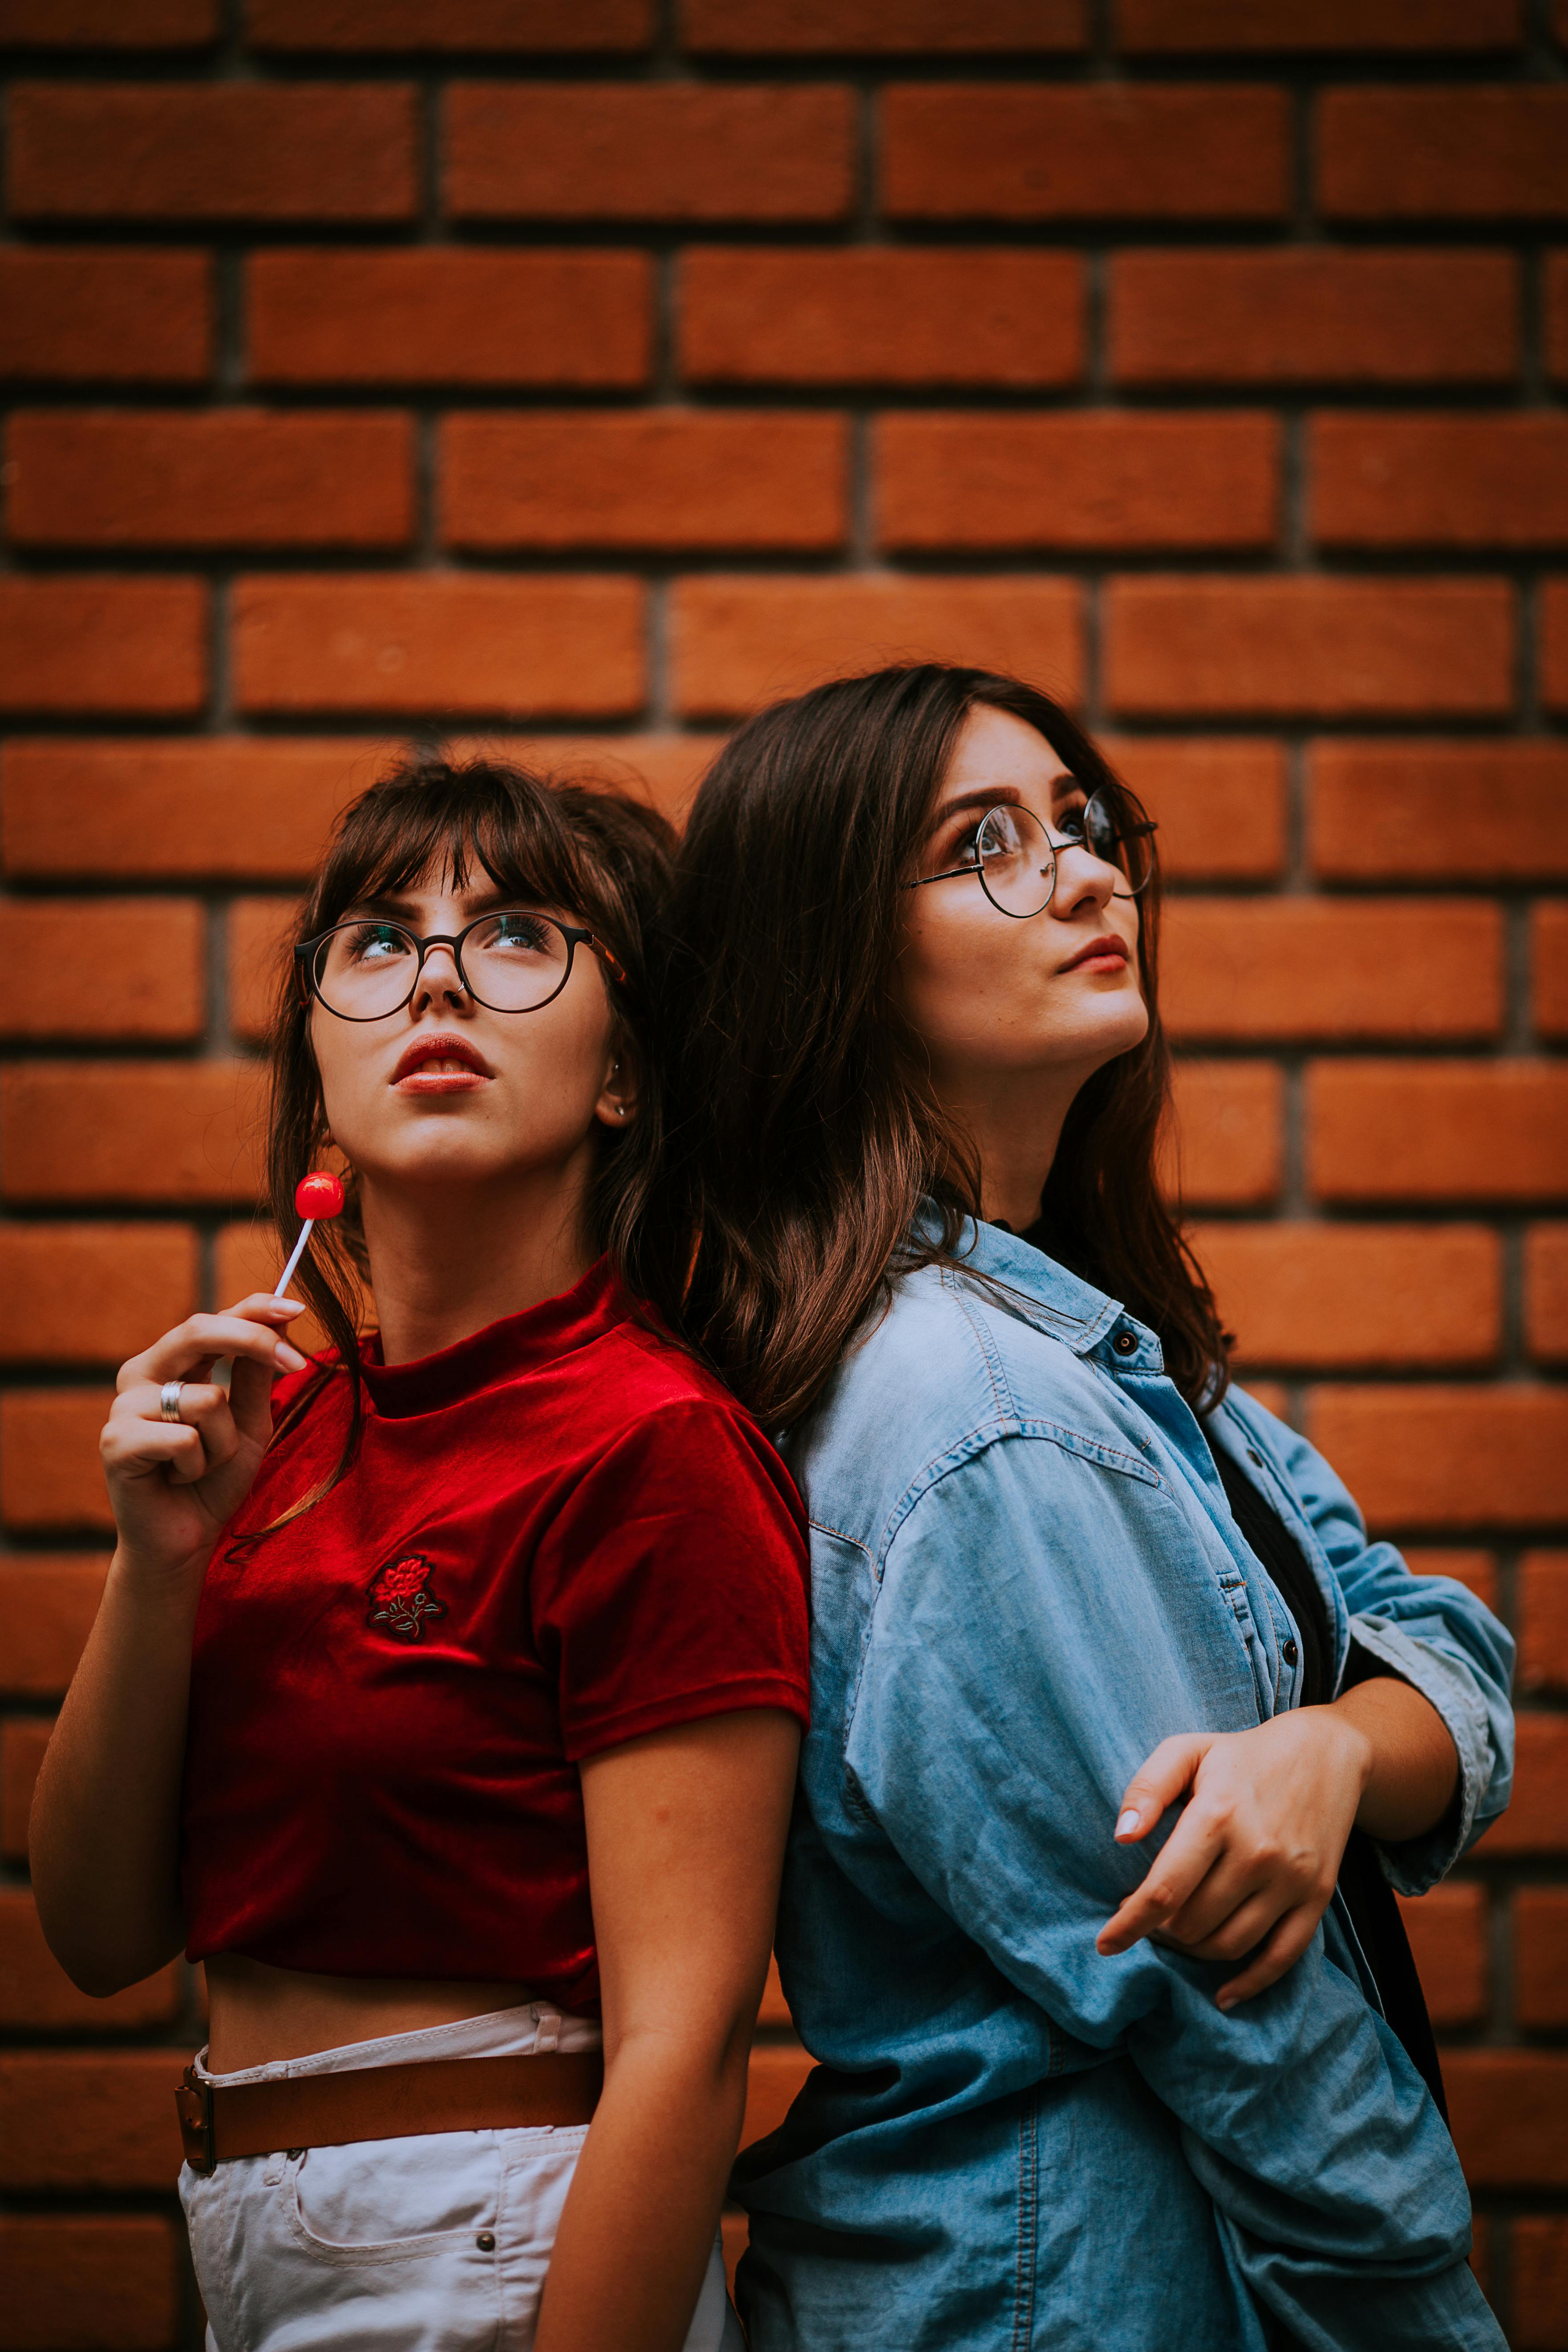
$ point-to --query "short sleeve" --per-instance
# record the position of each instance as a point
(672, 1583)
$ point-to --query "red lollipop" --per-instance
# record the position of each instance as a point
(318, 1195)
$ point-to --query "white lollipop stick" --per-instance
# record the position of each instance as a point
(297, 1254)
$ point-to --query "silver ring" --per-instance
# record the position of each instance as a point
(169, 1401)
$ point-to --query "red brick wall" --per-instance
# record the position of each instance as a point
(586, 370)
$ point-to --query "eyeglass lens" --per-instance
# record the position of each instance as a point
(512, 962)
(1017, 864)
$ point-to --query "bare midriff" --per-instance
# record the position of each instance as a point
(260, 2013)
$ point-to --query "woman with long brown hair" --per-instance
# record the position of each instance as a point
(446, 1694)
(1064, 1578)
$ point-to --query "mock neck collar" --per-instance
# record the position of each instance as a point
(502, 1352)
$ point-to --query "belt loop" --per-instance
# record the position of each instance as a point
(548, 2036)
(193, 2101)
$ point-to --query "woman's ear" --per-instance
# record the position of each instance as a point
(618, 1103)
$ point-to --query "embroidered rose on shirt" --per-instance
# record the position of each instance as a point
(401, 1598)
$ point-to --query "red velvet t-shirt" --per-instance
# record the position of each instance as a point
(558, 1535)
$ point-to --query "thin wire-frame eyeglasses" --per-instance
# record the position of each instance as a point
(1017, 860)
(510, 961)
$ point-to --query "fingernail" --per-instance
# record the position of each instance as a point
(290, 1357)
(1129, 1822)
(295, 1306)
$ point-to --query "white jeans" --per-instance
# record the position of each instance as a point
(438, 2243)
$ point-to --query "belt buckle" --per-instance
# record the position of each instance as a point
(194, 2102)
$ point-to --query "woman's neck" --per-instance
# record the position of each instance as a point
(1015, 1124)
(445, 1266)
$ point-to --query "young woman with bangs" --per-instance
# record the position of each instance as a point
(1077, 1604)
(446, 1691)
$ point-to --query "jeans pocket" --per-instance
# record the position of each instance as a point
(383, 2201)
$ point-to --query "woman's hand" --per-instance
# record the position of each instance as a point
(173, 1485)
(1251, 1864)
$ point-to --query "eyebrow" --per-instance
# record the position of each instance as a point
(990, 797)
(401, 910)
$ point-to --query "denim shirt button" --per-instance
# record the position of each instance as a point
(1125, 1343)
(1254, 1455)
(1290, 1652)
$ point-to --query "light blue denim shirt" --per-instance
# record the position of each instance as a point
(1025, 1575)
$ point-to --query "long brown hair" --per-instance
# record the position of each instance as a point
(597, 856)
(803, 1132)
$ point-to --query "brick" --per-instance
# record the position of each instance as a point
(1447, 1931)
(772, 2080)
(1113, 150)
(50, 1481)
(260, 932)
(1431, 810)
(213, 808)
(501, 27)
(142, 1131)
(1163, 27)
(1224, 1148)
(1356, 1297)
(1314, 314)
(774, 2010)
(1555, 644)
(663, 769)
(38, 1996)
(1476, 1569)
(1439, 1131)
(104, 314)
(882, 315)
(1538, 2270)
(1459, 152)
(443, 315)
(49, 1604)
(107, 23)
(1294, 967)
(1549, 967)
(1555, 323)
(235, 478)
(551, 648)
(1424, 1457)
(220, 150)
(1335, 648)
(1219, 802)
(79, 2123)
(1506, 2109)
(92, 1293)
(670, 477)
(1536, 1820)
(132, 648)
(1382, 481)
(129, 968)
(737, 641)
(124, 2272)
(790, 28)
(1543, 1618)
(1077, 482)
(22, 1746)
(1541, 1957)
(1546, 1293)
(658, 151)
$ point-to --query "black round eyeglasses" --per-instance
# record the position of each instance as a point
(510, 961)
(1017, 860)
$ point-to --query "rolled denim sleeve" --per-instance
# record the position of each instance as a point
(1027, 1648)
(1431, 1630)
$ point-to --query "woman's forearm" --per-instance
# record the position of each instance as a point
(638, 2229)
(105, 1826)
(1411, 1765)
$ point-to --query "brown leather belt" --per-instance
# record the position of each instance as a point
(219, 2121)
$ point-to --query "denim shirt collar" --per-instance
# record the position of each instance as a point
(1040, 1291)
